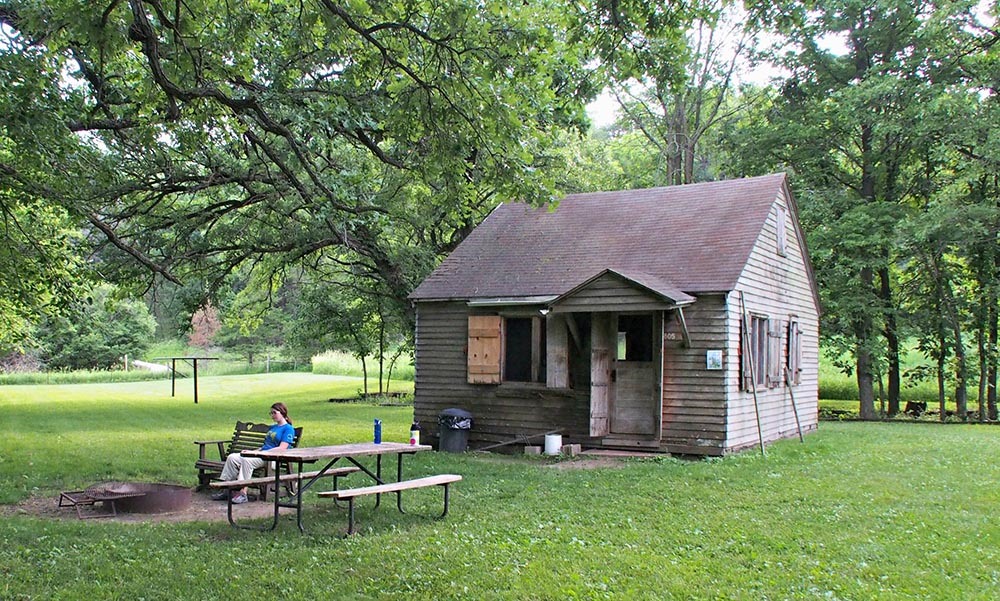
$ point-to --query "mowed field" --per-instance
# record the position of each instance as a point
(859, 511)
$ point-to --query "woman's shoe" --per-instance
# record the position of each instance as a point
(240, 499)
(220, 496)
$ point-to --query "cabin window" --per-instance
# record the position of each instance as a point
(524, 349)
(505, 349)
(794, 351)
(758, 348)
(763, 353)
(635, 337)
(780, 232)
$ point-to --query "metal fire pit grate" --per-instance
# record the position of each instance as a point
(126, 497)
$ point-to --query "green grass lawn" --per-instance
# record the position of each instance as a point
(860, 511)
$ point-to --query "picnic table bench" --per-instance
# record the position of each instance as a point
(288, 479)
(247, 436)
(442, 480)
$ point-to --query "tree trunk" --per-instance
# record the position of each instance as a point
(991, 367)
(943, 284)
(942, 353)
(983, 363)
(991, 352)
(863, 326)
(382, 389)
(677, 144)
(866, 384)
(891, 340)
(961, 375)
(364, 375)
(865, 361)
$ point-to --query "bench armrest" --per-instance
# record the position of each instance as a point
(204, 443)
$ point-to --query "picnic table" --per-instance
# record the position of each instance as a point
(352, 453)
(193, 362)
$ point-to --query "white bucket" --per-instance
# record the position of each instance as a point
(553, 444)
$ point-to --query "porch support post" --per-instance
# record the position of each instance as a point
(684, 327)
(557, 353)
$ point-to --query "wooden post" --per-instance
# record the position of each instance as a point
(745, 317)
(795, 410)
(173, 374)
(557, 353)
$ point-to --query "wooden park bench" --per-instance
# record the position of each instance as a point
(246, 436)
(442, 480)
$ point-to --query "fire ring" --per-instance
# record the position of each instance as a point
(127, 497)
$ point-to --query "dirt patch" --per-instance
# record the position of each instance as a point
(201, 509)
(204, 509)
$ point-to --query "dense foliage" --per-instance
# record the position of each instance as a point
(96, 332)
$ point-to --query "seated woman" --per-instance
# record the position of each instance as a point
(279, 436)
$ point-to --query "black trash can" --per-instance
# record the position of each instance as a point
(453, 429)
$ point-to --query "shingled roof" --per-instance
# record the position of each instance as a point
(697, 238)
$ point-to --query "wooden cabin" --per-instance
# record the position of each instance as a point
(679, 320)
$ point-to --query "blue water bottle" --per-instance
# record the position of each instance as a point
(378, 432)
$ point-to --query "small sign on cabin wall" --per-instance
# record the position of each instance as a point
(713, 359)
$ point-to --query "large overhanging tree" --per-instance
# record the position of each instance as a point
(193, 137)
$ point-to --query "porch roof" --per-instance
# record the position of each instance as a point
(669, 295)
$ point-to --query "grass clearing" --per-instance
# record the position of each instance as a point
(860, 511)
(341, 363)
(836, 385)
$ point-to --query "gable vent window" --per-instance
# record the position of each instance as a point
(781, 230)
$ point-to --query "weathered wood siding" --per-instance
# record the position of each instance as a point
(500, 412)
(776, 286)
(694, 399)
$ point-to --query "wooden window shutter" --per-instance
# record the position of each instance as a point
(794, 352)
(485, 349)
(774, 332)
(746, 348)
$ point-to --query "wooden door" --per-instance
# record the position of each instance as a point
(634, 411)
(601, 358)
(636, 387)
(600, 391)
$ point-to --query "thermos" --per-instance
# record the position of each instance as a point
(415, 433)
(378, 432)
